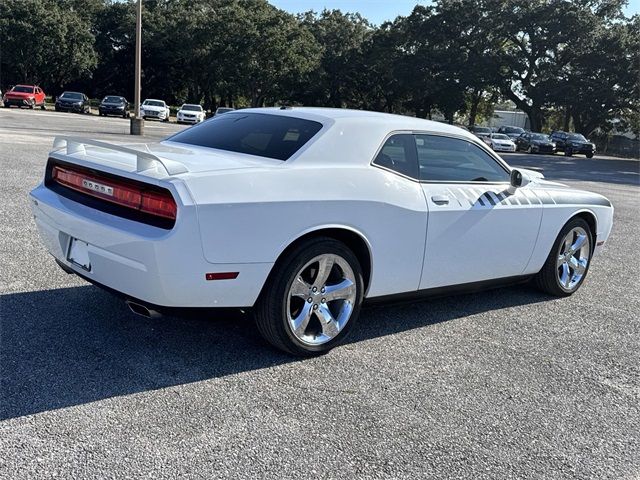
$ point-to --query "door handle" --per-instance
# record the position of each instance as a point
(440, 199)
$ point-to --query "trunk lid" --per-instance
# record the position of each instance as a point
(156, 160)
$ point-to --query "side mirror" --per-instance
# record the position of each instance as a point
(518, 179)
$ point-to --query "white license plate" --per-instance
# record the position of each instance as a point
(79, 254)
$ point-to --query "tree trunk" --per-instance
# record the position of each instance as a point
(567, 119)
(476, 96)
(533, 111)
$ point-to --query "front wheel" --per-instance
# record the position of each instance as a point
(568, 152)
(32, 106)
(312, 298)
(529, 149)
(568, 262)
(589, 155)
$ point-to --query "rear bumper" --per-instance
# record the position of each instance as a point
(143, 262)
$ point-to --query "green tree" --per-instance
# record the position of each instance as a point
(341, 38)
(48, 42)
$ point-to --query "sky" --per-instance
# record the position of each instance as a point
(378, 11)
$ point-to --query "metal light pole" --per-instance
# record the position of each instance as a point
(137, 123)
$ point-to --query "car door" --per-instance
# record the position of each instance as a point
(476, 229)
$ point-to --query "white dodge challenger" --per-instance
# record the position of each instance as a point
(302, 213)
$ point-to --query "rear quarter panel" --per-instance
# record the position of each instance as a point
(251, 216)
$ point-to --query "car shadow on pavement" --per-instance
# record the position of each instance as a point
(70, 346)
(559, 167)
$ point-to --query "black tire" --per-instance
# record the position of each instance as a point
(43, 106)
(529, 149)
(167, 118)
(547, 278)
(270, 312)
(589, 155)
(568, 152)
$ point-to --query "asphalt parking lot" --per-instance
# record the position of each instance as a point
(502, 384)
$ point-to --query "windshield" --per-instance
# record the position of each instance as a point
(194, 108)
(481, 130)
(113, 100)
(22, 89)
(539, 136)
(499, 136)
(577, 136)
(154, 103)
(513, 130)
(264, 135)
(71, 96)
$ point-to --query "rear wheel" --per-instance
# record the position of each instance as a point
(568, 152)
(312, 299)
(529, 149)
(568, 262)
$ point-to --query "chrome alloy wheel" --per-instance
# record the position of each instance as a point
(321, 299)
(573, 258)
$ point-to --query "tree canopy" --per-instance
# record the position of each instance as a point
(576, 60)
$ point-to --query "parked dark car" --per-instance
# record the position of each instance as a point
(481, 132)
(114, 105)
(532, 142)
(573, 144)
(73, 102)
(511, 132)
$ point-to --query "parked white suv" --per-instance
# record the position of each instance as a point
(190, 113)
(152, 108)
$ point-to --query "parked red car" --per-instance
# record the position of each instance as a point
(24, 96)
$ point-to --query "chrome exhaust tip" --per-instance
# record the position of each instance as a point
(142, 310)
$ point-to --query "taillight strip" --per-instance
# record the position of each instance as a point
(156, 203)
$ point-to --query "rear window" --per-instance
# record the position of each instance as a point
(264, 135)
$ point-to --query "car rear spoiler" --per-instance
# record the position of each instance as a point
(144, 160)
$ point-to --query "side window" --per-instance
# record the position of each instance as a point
(455, 160)
(399, 154)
